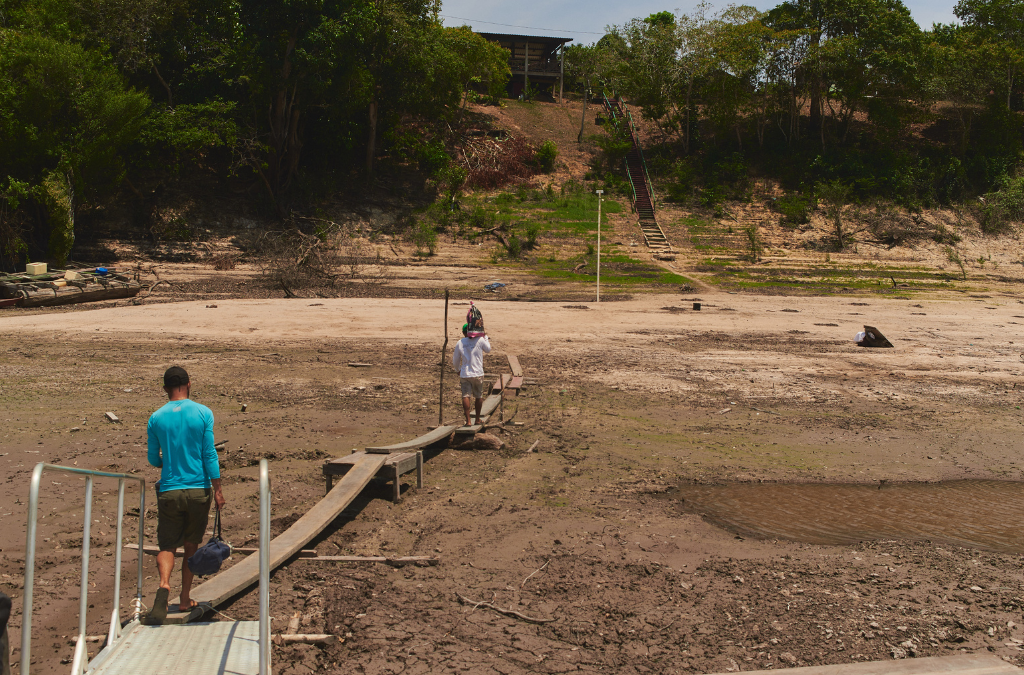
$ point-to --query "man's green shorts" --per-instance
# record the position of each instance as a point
(182, 516)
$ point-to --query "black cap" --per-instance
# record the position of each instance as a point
(175, 377)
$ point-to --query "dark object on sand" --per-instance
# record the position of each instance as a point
(873, 338)
(5, 648)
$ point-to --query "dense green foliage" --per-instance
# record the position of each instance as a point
(96, 94)
(825, 92)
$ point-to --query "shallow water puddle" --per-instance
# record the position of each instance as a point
(973, 513)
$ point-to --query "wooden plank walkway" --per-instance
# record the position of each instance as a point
(513, 363)
(489, 406)
(243, 574)
(416, 443)
(966, 664)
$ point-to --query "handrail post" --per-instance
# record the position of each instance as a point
(115, 615)
(81, 654)
(30, 569)
(137, 609)
(264, 544)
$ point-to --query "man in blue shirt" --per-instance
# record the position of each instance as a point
(181, 445)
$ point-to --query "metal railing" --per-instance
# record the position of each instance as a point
(81, 657)
(264, 567)
(639, 149)
(627, 117)
(630, 177)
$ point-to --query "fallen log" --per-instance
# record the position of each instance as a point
(404, 560)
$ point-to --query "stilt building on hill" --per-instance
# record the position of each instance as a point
(536, 61)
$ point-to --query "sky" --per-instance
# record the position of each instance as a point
(585, 20)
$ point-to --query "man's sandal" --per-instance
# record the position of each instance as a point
(158, 614)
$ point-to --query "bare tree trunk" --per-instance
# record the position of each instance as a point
(583, 119)
(371, 143)
(815, 117)
(686, 133)
(1010, 73)
(170, 98)
(283, 120)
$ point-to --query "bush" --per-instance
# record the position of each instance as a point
(754, 246)
(684, 179)
(424, 236)
(514, 247)
(546, 155)
(795, 209)
(532, 232)
(1002, 208)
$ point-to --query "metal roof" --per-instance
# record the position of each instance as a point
(524, 38)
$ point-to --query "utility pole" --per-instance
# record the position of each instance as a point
(599, 199)
(444, 349)
(526, 72)
(561, 71)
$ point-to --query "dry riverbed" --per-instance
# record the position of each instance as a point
(583, 538)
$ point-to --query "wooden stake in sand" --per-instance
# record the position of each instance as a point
(444, 348)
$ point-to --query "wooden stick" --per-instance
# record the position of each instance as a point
(404, 560)
(309, 639)
(534, 572)
(444, 348)
(499, 610)
(240, 550)
(533, 446)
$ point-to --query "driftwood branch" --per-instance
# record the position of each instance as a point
(499, 610)
(534, 572)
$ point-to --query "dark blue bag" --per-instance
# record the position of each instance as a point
(208, 558)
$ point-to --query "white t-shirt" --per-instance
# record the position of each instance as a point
(468, 356)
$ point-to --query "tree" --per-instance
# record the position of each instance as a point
(646, 71)
(958, 68)
(472, 58)
(999, 24)
(583, 62)
(66, 117)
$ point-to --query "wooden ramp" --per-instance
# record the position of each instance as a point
(489, 406)
(426, 439)
(243, 574)
(967, 664)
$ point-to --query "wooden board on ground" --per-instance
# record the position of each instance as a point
(243, 574)
(516, 383)
(416, 443)
(966, 664)
(472, 429)
(490, 405)
(240, 550)
(501, 383)
(513, 363)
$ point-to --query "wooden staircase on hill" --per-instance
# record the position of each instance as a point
(639, 180)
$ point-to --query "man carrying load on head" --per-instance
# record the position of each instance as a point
(181, 445)
(468, 359)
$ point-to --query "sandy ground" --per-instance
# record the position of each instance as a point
(627, 401)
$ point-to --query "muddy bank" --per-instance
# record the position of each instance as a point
(628, 404)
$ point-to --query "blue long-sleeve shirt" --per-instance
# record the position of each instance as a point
(181, 445)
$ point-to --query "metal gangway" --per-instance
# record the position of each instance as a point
(208, 648)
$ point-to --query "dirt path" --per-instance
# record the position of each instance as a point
(628, 402)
